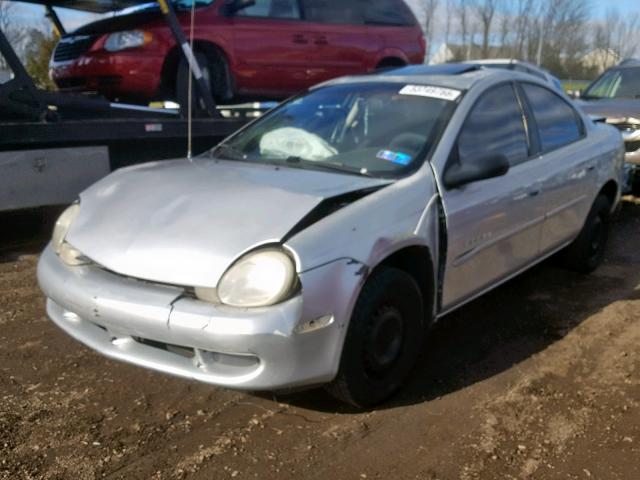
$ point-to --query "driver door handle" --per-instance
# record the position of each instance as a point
(300, 39)
(321, 40)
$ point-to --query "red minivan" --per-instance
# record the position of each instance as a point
(257, 49)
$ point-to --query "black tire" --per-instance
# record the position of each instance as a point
(586, 252)
(209, 73)
(383, 341)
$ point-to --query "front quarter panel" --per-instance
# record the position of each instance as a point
(336, 255)
(372, 228)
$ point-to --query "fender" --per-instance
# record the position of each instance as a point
(389, 53)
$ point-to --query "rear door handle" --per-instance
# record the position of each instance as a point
(300, 39)
(523, 195)
(322, 40)
(591, 168)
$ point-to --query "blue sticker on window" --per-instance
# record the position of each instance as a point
(395, 157)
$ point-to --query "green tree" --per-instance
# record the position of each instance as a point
(38, 56)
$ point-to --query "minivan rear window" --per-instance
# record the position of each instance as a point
(287, 9)
(388, 12)
(330, 11)
(371, 12)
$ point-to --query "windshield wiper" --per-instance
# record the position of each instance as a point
(333, 167)
(227, 152)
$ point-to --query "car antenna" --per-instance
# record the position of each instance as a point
(190, 90)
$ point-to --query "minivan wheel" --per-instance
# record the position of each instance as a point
(383, 341)
(587, 250)
(182, 84)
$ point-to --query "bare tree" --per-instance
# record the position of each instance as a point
(485, 10)
(523, 9)
(465, 24)
(15, 33)
(429, 7)
(628, 36)
(450, 11)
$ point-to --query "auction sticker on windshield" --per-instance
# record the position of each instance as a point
(440, 93)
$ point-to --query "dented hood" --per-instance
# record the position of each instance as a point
(184, 223)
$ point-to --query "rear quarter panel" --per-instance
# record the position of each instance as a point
(607, 148)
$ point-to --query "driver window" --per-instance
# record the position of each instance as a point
(287, 9)
(494, 126)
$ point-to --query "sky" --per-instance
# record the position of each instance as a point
(625, 6)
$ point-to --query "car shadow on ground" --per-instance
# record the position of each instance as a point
(510, 324)
(25, 231)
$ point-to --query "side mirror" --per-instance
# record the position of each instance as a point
(490, 166)
(231, 7)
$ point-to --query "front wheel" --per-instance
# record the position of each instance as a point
(383, 341)
(586, 252)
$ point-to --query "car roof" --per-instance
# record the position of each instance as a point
(628, 63)
(461, 76)
(505, 61)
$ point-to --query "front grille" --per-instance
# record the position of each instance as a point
(70, 48)
(632, 147)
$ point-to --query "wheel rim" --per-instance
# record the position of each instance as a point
(384, 342)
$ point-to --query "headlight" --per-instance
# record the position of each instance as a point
(128, 39)
(67, 253)
(261, 278)
(62, 226)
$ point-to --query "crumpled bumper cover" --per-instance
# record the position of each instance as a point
(292, 344)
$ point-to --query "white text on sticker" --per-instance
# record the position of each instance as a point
(431, 92)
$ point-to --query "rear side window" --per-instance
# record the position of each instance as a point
(287, 9)
(558, 123)
(388, 12)
(332, 11)
(494, 126)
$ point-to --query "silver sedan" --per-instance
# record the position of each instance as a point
(318, 244)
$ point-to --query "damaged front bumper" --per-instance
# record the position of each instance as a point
(295, 343)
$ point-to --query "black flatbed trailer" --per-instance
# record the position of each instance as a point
(55, 144)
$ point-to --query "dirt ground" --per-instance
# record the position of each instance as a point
(539, 379)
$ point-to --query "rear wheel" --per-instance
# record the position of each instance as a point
(390, 63)
(383, 341)
(587, 250)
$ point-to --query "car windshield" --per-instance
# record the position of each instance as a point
(616, 83)
(373, 129)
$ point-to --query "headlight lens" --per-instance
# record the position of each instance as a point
(128, 39)
(259, 279)
(62, 226)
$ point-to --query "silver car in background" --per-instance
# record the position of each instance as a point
(615, 95)
(318, 244)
